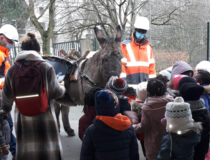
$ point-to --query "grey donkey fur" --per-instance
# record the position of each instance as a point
(100, 68)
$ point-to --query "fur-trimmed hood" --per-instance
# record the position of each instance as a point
(136, 107)
(196, 128)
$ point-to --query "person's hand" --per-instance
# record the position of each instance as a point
(163, 122)
(5, 151)
(62, 83)
(206, 89)
(134, 125)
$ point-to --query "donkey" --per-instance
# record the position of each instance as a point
(104, 64)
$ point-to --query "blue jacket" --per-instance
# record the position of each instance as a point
(102, 142)
(124, 104)
(182, 147)
(206, 98)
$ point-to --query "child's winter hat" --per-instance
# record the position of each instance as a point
(189, 89)
(180, 67)
(106, 103)
(178, 116)
(141, 92)
(203, 65)
(118, 85)
(166, 72)
(176, 80)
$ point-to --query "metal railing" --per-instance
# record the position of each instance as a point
(67, 46)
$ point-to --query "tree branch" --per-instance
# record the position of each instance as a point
(43, 11)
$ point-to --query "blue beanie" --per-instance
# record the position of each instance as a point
(106, 103)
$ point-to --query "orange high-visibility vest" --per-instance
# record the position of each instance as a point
(4, 63)
(138, 63)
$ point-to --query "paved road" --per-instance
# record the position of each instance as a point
(72, 145)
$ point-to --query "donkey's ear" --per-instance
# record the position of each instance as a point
(99, 37)
(118, 35)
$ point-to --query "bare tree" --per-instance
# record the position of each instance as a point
(106, 13)
(46, 35)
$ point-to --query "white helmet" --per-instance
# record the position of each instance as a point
(141, 23)
(10, 32)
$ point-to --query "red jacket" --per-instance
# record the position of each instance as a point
(86, 120)
(4, 63)
(138, 63)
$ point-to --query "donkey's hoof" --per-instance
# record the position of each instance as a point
(71, 133)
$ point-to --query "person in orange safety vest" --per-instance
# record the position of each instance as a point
(8, 35)
(138, 63)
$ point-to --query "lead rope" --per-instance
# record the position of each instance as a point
(171, 144)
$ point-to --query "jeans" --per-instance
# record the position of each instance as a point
(3, 157)
(12, 143)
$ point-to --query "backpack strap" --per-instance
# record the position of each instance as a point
(18, 63)
(37, 62)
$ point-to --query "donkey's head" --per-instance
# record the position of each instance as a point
(110, 55)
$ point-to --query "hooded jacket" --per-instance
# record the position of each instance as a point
(180, 67)
(86, 120)
(37, 136)
(152, 113)
(138, 63)
(110, 138)
(179, 147)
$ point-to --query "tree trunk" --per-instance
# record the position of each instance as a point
(46, 45)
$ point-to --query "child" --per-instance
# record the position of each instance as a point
(111, 135)
(180, 67)
(4, 136)
(202, 66)
(119, 86)
(191, 93)
(166, 72)
(174, 90)
(89, 109)
(203, 77)
(152, 112)
(141, 96)
(183, 135)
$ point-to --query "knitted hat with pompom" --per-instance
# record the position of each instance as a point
(118, 85)
(106, 103)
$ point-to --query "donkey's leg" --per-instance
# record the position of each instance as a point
(65, 118)
(57, 109)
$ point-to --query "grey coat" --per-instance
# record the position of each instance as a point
(37, 136)
(5, 134)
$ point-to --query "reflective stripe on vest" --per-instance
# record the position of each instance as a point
(133, 62)
(130, 52)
